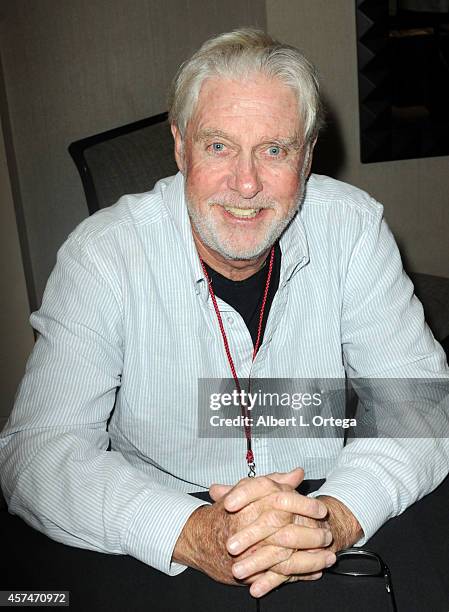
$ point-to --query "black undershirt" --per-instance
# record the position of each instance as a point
(246, 296)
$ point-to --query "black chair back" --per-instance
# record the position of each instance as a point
(127, 159)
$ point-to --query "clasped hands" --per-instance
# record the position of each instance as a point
(260, 532)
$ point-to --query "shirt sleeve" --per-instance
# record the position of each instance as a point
(384, 335)
(56, 471)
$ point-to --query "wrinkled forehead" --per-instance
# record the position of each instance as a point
(255, 103)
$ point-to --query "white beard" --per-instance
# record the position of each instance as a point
(212, 235)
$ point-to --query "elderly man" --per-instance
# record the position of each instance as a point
(240, 265)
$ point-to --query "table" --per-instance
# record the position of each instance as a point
(414, 545)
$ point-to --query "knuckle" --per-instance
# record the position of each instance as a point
(265, 482)
(269, 485)
(283, 554)
(281, 499)
(305, 521)
(250, 534)
(286, 536)
(279, 558)
(274, 476)
(285, 487)
(286, 567)
(277, 518)
(302, 563)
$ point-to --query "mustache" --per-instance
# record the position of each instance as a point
(234, 201)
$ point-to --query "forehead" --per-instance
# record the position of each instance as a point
(255, 105)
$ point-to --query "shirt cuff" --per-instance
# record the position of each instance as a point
(363, 494)
(156, 527)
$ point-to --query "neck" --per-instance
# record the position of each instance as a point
(236, 270)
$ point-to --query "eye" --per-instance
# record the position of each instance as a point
(274, 151)
(217, 147)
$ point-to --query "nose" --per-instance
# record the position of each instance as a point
(244, 178)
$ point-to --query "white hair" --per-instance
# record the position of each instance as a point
(238, 55)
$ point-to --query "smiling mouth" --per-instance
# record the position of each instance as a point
(242, 213)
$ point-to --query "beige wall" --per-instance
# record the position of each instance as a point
(15, 332)
(415, 193)
(77, 67)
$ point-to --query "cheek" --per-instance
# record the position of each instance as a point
(206, 179)
(284, 184)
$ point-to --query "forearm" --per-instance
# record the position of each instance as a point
(377, 479)
(72, 489)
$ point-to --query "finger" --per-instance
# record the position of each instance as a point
(276, 528)
(283, 561)
(252, 489)
(305, 562)
(266, 583)
(267, 524)
(314, 576)
(262, 559)
(248, 581)
(300, 537)
(217, 491)
(294, 502)
(270, 580)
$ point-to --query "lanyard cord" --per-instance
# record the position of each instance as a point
(246, 425)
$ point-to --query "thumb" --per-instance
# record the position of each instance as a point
(292, 478)
(217, 491)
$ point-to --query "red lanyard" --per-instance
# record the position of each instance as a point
(246, 422)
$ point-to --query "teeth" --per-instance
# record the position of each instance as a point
(242, 212)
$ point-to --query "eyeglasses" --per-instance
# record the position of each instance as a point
(360, 562)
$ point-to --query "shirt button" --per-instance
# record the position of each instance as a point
(230, 320)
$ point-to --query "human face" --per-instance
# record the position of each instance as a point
(243, 161)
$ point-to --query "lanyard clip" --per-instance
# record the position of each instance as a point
(251, 464)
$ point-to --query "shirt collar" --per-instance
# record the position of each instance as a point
(294, 247)
(175, 201)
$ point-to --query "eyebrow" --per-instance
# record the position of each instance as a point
(206, 133)
(289, 143)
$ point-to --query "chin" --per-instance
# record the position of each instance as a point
(240, 252)
(232, 244)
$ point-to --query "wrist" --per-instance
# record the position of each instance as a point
(345, 528)
(201, 544)
(187, 548)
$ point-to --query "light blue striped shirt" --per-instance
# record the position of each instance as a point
(126, 318)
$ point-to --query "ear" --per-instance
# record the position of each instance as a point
(179, 148)
(309, 158)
